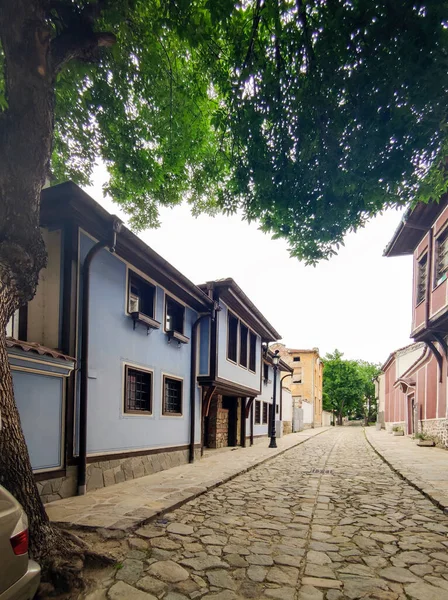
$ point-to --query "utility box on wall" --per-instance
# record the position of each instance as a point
(279, 429)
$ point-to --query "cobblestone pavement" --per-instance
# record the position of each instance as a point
(327, 520)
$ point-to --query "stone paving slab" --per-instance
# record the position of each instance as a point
(425, 468)
(128, 505)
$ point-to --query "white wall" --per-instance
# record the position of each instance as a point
(287, 405)
(307, 413)
(327, 417)
(404, 359)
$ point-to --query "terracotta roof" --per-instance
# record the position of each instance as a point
(37, 349)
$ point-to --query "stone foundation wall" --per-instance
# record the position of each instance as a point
(287, 427)
(59, 487)
(438, 429)
(389, 426)
(108, 472)
(218, 427)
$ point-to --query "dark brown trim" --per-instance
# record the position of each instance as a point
(439, 338)
(68, 333)
(213, 340)
(165, 413)
(123, 455)
(50, 475)
(243, 422)
(437, 356)
(249, 405)
(143, 413)
(228, 388)
(23, 323)
(252, 424)
(208, 398)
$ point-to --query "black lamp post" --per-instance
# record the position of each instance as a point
(275, 361)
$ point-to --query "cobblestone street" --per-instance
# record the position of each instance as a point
(327, 520)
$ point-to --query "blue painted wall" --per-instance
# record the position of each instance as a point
(229, 370)
(113, 343)
(39, 399)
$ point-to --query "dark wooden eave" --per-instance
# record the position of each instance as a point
(68, 202)
(415, 223)
(234, 297)
(229, 388)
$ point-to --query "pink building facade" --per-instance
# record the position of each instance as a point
(415, 389)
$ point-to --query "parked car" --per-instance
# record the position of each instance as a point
(19, 576)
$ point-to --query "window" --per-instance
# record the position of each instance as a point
(277, 409)
(257, 412)
(441, 257)
(422, 270)
(252, 352)
(12, 327)
(265, 413)
(174, 315)
(244, 332)
(265, 373)
(296, 359)
(172, 396)
(138, 391)
(297, 376)
(141, 295)
(232, 337)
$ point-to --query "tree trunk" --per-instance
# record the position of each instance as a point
(26, 130)
(340, 418)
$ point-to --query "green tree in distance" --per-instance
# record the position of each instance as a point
(308, 116)
(346, 385)
(368, 406)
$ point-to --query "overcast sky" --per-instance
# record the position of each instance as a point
(358, 302)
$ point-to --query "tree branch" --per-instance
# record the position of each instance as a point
(70, 45)
(76, 38)
(255, 23)
(308, 46)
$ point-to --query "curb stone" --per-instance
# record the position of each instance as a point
(415, 483)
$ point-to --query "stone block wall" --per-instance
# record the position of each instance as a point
(108, 472)
(287, 427)
(59, 487)
(436, 428)
(218, 427)
(390, 426)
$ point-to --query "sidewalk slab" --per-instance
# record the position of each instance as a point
(127, 505)
(425, 468)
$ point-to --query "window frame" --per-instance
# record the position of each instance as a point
(421, 296)
(138, 278)
(166, 413)
(266, 379)
(168, 299)
(265, 413)
(137, 413)
(230, 315)
(442, 237)
(257, 403)
(240, 336)
(252, 336)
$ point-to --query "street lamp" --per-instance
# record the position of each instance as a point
(275, 361)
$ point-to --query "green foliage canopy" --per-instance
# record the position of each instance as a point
(348, 386)
(309, 116)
